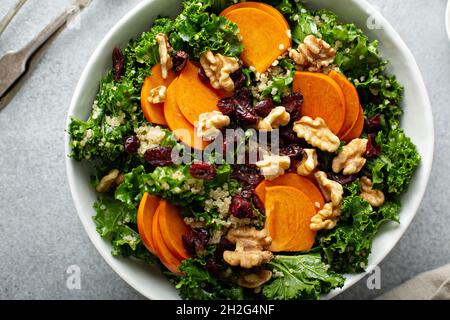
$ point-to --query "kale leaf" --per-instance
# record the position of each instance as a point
(198, 284)
(300, 277)
(393, 170)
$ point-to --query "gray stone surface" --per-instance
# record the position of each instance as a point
(40, 234)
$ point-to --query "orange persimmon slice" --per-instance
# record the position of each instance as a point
(296, 181)
(172, 228)
(146, 212)
(352, 103)
(263, 37)
(177, 123)
(261, 6)
(154, 112)
(322, 98)
(288, 216)
(165, 256)
(193, 96)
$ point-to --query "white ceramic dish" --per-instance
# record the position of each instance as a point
(417, 122)
(447, 19)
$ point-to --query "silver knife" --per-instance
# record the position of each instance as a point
(14, 64)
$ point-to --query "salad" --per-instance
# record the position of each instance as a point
(250, 149)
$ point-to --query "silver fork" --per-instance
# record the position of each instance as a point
(14, 64)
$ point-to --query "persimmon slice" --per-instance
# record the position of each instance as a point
(296, 181)
(146, 212)
(165, 256)
(288, 216)
(263, 37)
(154, 112)
(322, 98)
(172, 227)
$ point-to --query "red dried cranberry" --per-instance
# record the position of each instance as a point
(202, 75)
(293, 151)
(227, 106)
(288, 136)
(195, 241)
(118, 61)
(238, 79)
(159, 156)
(214, 267)
(203, 170)
(342, 179)
(179, 61)
(373, 124)
(372, 149)
(293, 103)
(245, 115)
(223, 245)
(243, 97)
(257, 202)
(264, 107)
(132, 144)
(241, 207)
(248, 174)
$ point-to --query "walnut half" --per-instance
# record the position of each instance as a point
(273, 166)
(316, 133)
(209, 124)
(331, 190)
(313, 54)
(326, 218)
(254, 279)
(218, 69)
(276, 118)
(308, 163)
(251, 245)
(164, 49)
(350, 160)
(374, 197)
(113, 178)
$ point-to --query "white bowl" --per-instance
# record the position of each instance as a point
(417, 122)
(447, 19)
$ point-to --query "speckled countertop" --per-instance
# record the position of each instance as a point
(40, 233)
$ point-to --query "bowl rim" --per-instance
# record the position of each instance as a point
(87, 221)
(447, 19)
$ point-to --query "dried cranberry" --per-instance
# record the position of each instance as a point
(118, 61)
(248, 174)
(227, 106)
(293, 151)
(373, 124)
(342, 179)
(179, 61)
(203, 170)
(131, 144)
(159, 156)
(238, 78)
(223, 245)
(247, 191)
(195, 241)
(288, 136)
(373, 149)
(202, 75)
(293, 103)
(246, 116)
(214, 267)
(243, 97)
(257, 202)
(241, 207)
(264, 107)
